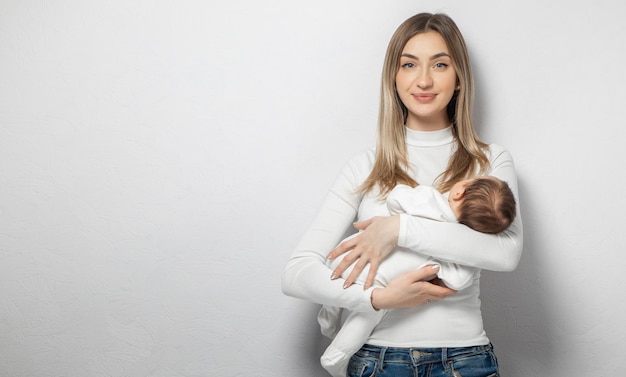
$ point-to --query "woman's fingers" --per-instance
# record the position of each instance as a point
(362, 225)
(358, 267)
(352, 256)
(358, 258)
(376, 239)
(425, 273)
(371, 274)
(410, 289)
(434, 289)
(347, 245)
(437, 292)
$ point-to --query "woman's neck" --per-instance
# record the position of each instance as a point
(427, 124)
(429, 138)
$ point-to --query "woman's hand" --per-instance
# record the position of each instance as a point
(411, 289)
(378, 237)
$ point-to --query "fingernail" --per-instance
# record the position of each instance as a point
(330, 256)
(345, 285)
(436, 267)
(333, 276)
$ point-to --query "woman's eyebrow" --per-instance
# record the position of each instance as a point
(436, 56)
(440, 55)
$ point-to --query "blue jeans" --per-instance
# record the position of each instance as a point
(375, 361)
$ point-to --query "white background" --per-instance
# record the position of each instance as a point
(159, 160)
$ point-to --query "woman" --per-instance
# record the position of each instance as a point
(425, 136)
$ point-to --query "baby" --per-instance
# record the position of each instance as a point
(485, 204)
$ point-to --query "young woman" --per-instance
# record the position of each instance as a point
(425, 136)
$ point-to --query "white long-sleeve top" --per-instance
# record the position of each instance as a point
(455, 321)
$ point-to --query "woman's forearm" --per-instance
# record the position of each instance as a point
(307, 279)
(460, 244)
(306, 275)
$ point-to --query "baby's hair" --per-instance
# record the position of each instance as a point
(488, 205)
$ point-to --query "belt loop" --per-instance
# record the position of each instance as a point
(381, 358)
(444, 357)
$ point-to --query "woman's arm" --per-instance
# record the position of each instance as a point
(306, 275)
(410, 289)
(460, 244)
(446, 241)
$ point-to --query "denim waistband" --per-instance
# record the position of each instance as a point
(419, 355)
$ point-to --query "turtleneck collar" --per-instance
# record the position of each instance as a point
(429, 138)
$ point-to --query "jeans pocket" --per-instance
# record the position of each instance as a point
(482, 364)
(361, 366)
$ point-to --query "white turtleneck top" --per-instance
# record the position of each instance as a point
(455, 321)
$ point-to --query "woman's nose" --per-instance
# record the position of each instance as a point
(424, 80)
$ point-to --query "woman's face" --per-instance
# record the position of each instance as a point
(426, 81)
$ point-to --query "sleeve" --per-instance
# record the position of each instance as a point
(306, 275)
(456, 276)
(460, 244)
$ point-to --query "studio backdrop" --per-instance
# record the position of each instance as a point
(159, 161)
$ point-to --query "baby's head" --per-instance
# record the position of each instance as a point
(485, 204)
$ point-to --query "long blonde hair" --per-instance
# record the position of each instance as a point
(392, 162)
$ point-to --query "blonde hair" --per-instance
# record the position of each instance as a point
(488, 205)
(391, 165)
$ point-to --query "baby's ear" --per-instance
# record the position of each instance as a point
(459, 194)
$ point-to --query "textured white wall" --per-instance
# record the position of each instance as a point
(160, 159)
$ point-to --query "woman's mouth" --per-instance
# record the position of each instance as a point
(424, 97)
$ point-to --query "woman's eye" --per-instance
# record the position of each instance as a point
(408, 65)
(441, 65)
